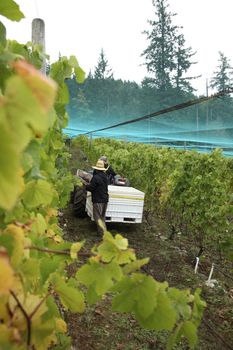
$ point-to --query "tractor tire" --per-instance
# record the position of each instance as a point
(79, 202)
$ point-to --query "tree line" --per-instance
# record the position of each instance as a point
(102, 99)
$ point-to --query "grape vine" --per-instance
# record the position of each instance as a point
(35, 183)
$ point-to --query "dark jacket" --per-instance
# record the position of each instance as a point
(110, 175)
(98, 187)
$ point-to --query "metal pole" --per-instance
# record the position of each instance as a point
(38, 37)
(197, 118)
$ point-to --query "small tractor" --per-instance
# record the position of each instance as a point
(125, 203)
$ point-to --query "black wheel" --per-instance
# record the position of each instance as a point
(79, 202)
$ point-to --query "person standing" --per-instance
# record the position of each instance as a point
(99, 194)
(109, 170)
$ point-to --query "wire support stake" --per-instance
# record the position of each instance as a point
(210, 282)
(197, 263)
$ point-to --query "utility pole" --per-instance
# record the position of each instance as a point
(38, 37)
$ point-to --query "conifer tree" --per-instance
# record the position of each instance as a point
(160, 52)
(102, 71)
(167, 58)
(183, 62)
(222, 77)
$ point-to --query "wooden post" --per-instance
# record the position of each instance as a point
(38, 37)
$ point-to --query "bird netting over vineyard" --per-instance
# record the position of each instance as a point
(202, 127)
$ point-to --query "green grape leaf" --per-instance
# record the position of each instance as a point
(26, 162)
(174, 337)
(92, 296)
(37, 192)
(79, 73)
(10, 9)
(71, 298)
(164, 315)
(2, 35)
(10, 177)
(48, 265)
(60, 70)
(181, 300)
(63, 94)
(52, 309)
(7, 242)
(189, 330)
(136, 294)
(43, 334)
(115, 249)
(108, 251)
(31, 273)
(198, 307)
(100, 276)
(135, 265)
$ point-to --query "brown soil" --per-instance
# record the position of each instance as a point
(100, 329)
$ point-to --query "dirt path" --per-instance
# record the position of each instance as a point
(100, 329)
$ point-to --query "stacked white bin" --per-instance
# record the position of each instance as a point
(125, 205)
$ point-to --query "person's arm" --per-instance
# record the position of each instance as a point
(111, 171)
(92, 185)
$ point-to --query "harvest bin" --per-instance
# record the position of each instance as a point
(125, 205)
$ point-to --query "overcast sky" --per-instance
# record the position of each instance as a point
(83, 27)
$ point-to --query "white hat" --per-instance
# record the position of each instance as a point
(99, 165)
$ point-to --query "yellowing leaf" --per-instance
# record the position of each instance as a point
(10, 178)
(25, 116)
(3, 308)
(57, 239)
(43, 88)
(51, 213)
(5, 336)
(39, 225)
(16, 234)
(50, 233)
(61, 325)
(75, 248)
(6, 277)
(29, 304)
(119, 241)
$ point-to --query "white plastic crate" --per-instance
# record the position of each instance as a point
(125, 205)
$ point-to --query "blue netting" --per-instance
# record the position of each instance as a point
(202, 127)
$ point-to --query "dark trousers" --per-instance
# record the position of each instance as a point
(99, 211)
